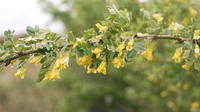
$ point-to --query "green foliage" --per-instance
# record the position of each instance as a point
(139, 86)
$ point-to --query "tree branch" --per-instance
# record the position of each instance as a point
(18, 55)
(154, 37)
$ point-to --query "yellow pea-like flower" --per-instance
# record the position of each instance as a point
(174, 28)
(118, 62)
(194, 106)
(196, 34)
(52, 74)
(97, 52)
(193, 12)
(101, 28)
(129, 46)
(20, 72)
(196, 51)
(85, 60)
(36, 60)
(148, 53)
(158, 18)
(61, 63)
(171, 104)
(96, 38)
(80, 39)
(91, 70)
(177, 55)
(102, 67)
(185, 20)
(186, 67)
(12, 62)
(120, 47)
(164, 94)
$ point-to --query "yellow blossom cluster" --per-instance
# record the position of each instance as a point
(177, 55)
(36, 59)
(86, 61)
(97, 52)
(20, 72)
(101, 28)
(118, 61)
(60, 64)
(193, 12)
(148, 53)
(195, 106)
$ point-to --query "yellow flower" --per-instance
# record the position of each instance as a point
(158, 17)
(175, 26)
(148, 53)
(36, 60)
(85, 60)
(97, 52)
(170, 104)
(196, 51)
(96, 38)
(12, 62)
(20, 72)
(196, 34)
(118, 62)
(102, 67)
(164, 94)
(52, 74)
(186, 67)
(172, 27)
(80, 39)
(174, 88)
(61, 63)
(101, 28)
(193, 12)
(194, 106)
(74, 44)
(177, 55)
(185, 86)
(129, 46)
(120, 47)
(185, 20)
(91, 70)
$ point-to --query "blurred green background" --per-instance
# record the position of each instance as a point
(140, 86)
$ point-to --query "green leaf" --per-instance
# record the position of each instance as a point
(7, 44)
(31, 40)
(42, 50)
(129, 56)
(71, 37)
(197, 65)
(44, 69)
(21, 63)
(139, 46)
(2, 53)
(30, 30)
(22, 47)
(9, 33)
